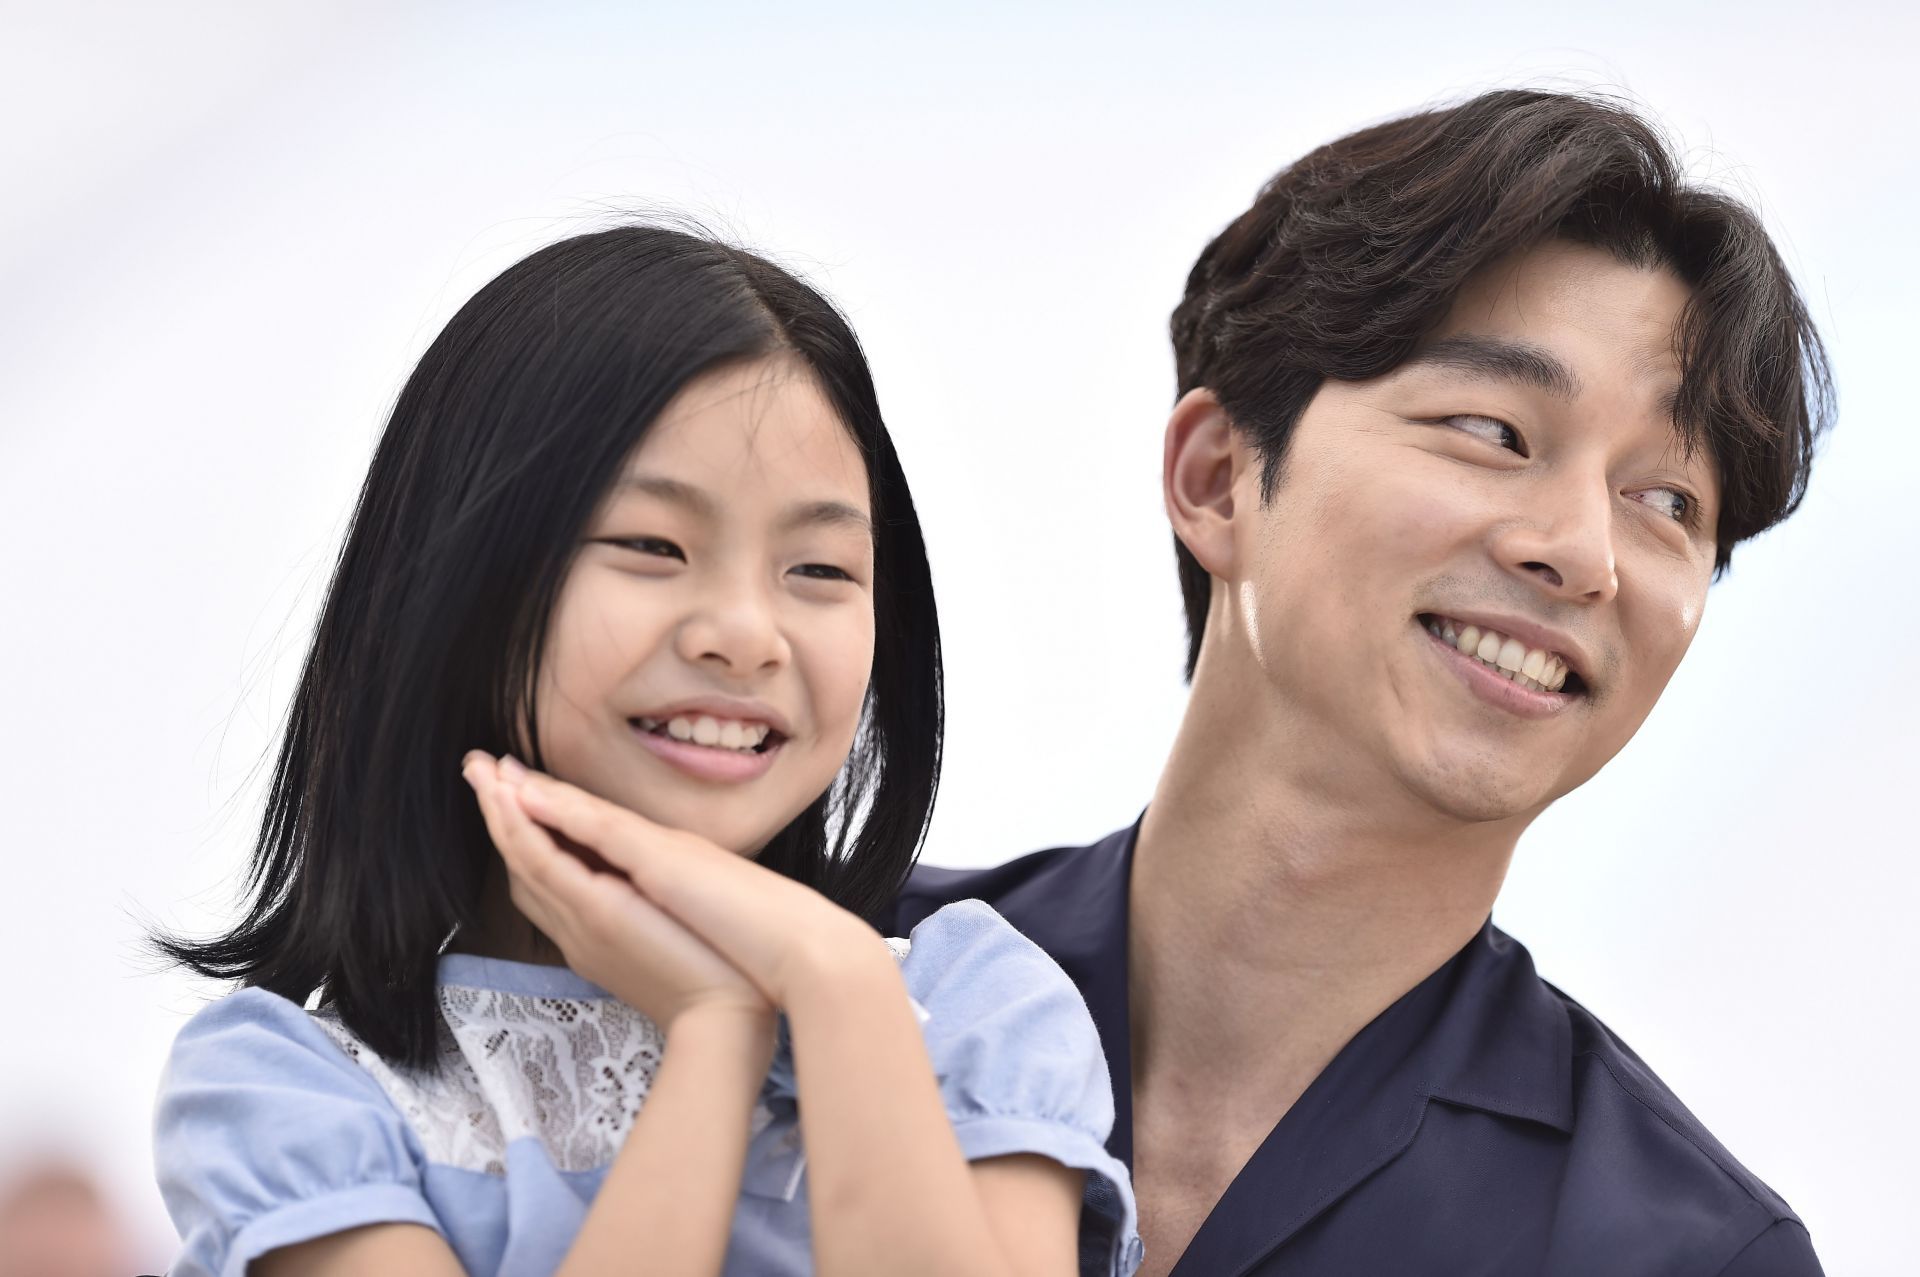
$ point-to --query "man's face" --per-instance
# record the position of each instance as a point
(1521, 475)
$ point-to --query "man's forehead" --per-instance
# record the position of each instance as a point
(1566, 319)
(1558, 287)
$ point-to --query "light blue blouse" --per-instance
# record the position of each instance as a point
(276, 1125)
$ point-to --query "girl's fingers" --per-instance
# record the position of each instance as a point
(602, 907)
(479, 772)
(526, 895)
(728, 901)
(524, 847)
(708, 889)
(522, 843)
(533, 854)
(665, 882)
(626, 839)
(665, 865)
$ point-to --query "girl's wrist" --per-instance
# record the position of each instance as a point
(735, 1029)
(840, 964)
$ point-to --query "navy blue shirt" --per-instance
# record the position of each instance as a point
(1484, 1123)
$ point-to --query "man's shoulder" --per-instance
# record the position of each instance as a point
(1012, 886)
(1638, 1147)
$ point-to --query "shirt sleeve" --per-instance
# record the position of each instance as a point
(266, 1134)
(1783, 1249)
(1020, 1064)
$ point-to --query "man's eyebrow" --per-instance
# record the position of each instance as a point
(698, 501)
(1498, 359)
(1670, 405)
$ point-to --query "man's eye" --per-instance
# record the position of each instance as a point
(1678, 505)
(823, 572)
(1492, 429)
(658, 546)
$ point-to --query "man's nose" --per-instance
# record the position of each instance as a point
(1563, 542)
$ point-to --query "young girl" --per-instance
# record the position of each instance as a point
(635, 521)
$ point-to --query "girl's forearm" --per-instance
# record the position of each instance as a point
(669, 1197)
(890, 1189)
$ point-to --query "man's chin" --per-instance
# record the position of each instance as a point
(1481, 791)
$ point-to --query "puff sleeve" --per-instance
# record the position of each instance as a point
(1020, 1065)
(267, 1134)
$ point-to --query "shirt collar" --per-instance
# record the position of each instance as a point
(532, 979)
(1483, 1031)
(1501, 1041)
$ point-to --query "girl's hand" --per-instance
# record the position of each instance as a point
(607, 931)
(781, 935)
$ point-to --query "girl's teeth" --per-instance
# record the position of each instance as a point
(704, 729)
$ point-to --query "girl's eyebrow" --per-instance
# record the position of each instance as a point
(672, 491)
(830, 513)
(700, 503)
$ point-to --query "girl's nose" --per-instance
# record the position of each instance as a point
(734, 630)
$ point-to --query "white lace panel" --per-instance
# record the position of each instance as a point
(569, 1072)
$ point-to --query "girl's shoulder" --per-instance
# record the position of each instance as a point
(1020, 1062)
(968, 961)
(254, 1037)
(1007, 1028)
(266, 1132)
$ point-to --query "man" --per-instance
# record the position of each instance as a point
(1473, 406)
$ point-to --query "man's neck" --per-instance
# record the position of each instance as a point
(1282, 896)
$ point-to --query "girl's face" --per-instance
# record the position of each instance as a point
(710, 648)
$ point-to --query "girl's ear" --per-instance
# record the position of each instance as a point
(1200, 462)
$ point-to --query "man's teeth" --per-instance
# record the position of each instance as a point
(704, 729)
(1528, 666)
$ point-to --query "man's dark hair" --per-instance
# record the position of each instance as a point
(501, 447)
(1350, 256)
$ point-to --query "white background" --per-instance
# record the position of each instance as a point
(229, 229)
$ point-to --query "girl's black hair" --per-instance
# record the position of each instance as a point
(500, 449)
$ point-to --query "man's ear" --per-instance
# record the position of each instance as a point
(1197, 473)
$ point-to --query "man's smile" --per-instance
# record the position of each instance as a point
(1539, 669)
(1490, 664)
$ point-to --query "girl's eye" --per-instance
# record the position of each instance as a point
(823, 572)
(658, 546)
(1492, 429)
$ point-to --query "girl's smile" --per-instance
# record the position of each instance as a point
(714, 738)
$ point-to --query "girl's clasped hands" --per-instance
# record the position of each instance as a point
(673, 924)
